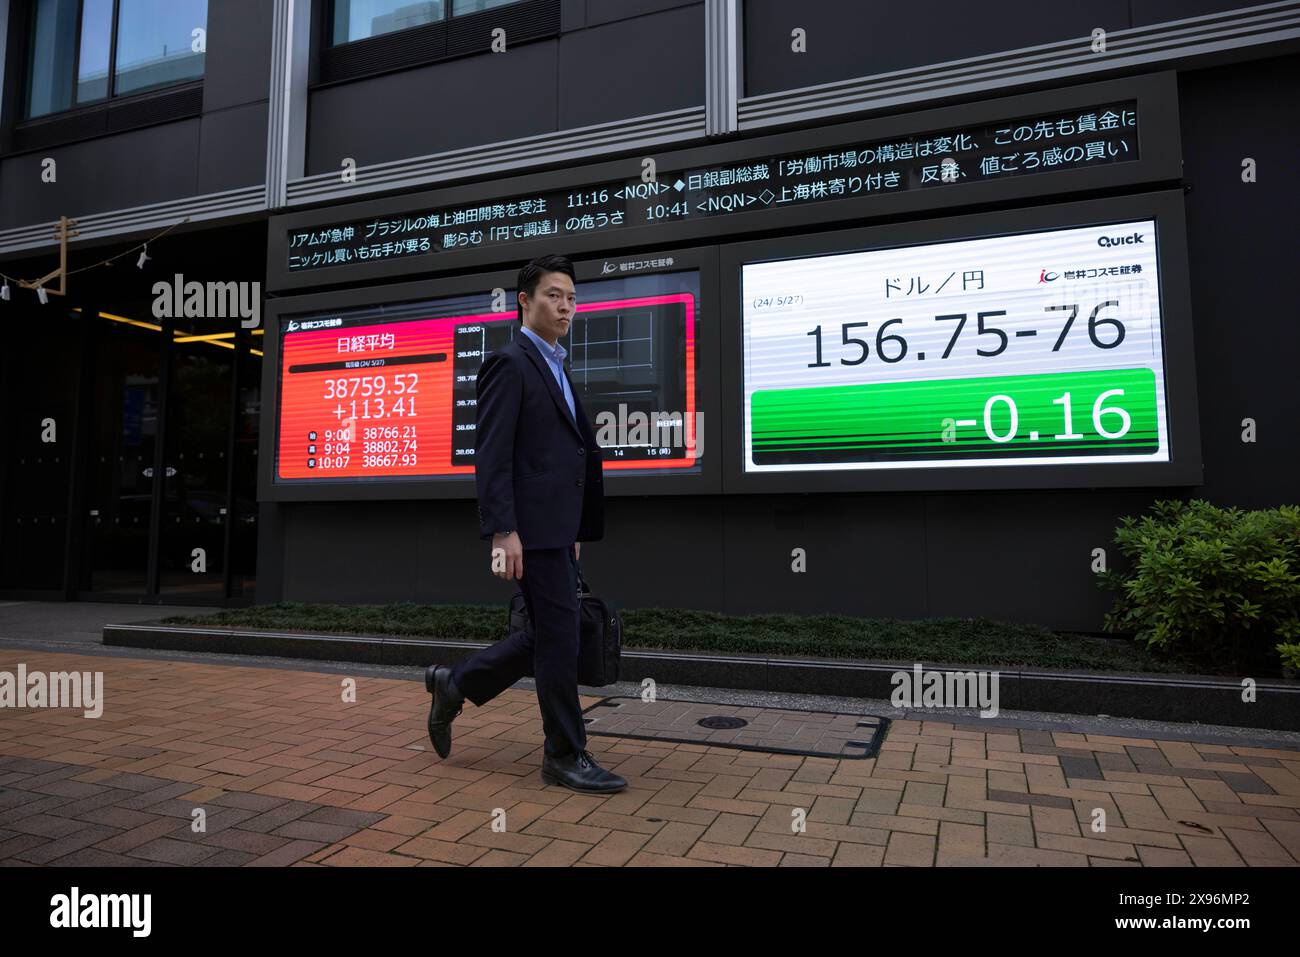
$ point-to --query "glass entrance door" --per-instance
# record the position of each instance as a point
(192, 552)
(173, 420)
(119, 513)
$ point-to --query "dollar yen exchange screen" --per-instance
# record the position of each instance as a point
(387, 392)
(1037, 348)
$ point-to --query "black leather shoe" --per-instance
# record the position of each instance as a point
(447, 704)
(579, 772)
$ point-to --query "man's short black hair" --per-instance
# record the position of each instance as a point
(531, 273)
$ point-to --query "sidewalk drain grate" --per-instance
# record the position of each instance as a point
(829, 734)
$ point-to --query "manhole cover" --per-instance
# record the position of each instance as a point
(828, 734)
(717, 721)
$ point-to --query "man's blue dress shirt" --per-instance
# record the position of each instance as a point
(554, 356)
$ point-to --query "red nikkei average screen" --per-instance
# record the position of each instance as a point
(388, 392)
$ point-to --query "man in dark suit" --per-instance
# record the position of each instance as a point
(537, 469)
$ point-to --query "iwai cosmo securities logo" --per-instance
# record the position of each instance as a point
(919, 688)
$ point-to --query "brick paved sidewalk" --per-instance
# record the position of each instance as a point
(289, 774)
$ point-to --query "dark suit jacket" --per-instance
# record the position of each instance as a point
(536, 471)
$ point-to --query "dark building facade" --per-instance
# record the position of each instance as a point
(752, 191)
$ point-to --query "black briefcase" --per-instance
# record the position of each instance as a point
(600, 633)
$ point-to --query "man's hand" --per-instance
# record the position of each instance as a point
(577, 547)
(507, 556)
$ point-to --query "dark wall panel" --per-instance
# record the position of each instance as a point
(862, 554)
(1159, 11)
(1242, 256)
(673, 546)
(847, 39)
(95, 176)
(1019, 556)
(238, 65)
(459, 103)
(637, 67)
(232, 148)
(430, 551)
(1024, 555)
(369, 553)
(609, 11)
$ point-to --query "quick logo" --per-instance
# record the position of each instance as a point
(1120, 240)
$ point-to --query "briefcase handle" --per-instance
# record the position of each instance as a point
(582, 582)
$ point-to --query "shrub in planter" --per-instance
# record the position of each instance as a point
(1220, 586)
(1290, 659)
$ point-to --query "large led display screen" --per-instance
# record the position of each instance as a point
(387, 392)
(1046, 143)
(1038, 348)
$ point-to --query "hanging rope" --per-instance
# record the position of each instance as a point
(103, 262)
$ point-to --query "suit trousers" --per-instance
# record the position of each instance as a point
(550, 587)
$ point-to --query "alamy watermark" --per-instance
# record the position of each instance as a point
(919, 688)
(658, 431)
(57, 689)
(179, 299)
(75, 909)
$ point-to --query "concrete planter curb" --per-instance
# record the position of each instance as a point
(1181, 698)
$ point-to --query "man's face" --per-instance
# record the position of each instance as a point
(549, 311)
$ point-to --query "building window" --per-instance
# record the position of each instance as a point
(159, 42)
(86, 51)
(359, 19)
(462, 7)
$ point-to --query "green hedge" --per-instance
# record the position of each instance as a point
(1216, 586)
(967, 641)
